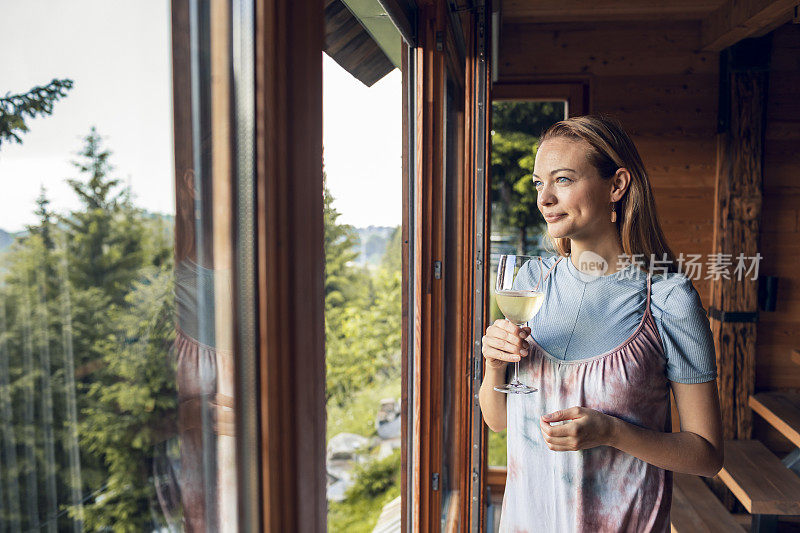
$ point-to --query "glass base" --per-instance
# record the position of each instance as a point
(515, 388)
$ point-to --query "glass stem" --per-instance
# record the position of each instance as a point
(515, 381)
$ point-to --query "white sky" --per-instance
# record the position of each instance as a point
(118, 54)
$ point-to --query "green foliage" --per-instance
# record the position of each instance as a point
(357, 415)
(89, 296)
(16, 108)
(375, 477)
(497, 448)
(363, 334)
(107, 234)
(134, 408)
(531, 118)
(342, 281)
(376, 484)
(362, 313)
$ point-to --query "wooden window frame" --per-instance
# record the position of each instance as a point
(290, 262)
(435, 59)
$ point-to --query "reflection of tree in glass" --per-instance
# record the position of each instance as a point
(15, 108)
(91, 294)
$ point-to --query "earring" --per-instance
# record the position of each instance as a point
(613, 213)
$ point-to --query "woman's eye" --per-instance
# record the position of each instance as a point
(536, 183)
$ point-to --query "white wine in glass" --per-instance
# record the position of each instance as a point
(518, 304)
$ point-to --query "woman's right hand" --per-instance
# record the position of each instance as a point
(504, 342)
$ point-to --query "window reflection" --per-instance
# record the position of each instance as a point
(116, 331)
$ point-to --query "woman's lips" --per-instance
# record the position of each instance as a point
(554, 217)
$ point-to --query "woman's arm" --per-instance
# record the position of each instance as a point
(696, 449)
(493, 403)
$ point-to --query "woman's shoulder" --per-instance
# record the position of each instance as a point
(674, 292)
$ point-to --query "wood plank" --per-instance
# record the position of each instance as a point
(696, 509)
(602, 49)
(496, 479)
(771, 438)
(784, 331)
(775, 369)
(588, 10)
(780, 221)
(743, 519)
(781, 410)
(739, 19)
(759, 480)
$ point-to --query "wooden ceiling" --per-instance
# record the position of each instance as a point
(722, 22)
(597, 10)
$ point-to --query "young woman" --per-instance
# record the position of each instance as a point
(593, 450)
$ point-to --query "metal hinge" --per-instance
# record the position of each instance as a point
(435, 481)
(732, 316)
(437, 269)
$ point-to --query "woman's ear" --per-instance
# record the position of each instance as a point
(619, 184)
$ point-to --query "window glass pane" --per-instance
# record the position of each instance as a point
(116, 331)
(517, 226)
(451, 379)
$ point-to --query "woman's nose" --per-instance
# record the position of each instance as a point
(545, 197)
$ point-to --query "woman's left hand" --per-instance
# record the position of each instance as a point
(584, 428)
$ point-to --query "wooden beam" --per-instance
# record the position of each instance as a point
(737, 220)
(740, 19)
(593, 11)
(737, 214)
(290, 264)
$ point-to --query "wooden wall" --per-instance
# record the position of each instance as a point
(650, 76)
(779, 331)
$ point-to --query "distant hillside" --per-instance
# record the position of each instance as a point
(372, 244)
(7, 238)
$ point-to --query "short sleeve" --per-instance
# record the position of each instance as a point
(686, 336)
(529, 274)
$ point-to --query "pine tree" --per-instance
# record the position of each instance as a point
(341, 244)
(15, 108)
(106, 235)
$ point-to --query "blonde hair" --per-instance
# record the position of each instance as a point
(637, 223)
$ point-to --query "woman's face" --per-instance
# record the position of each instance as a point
(568, 185)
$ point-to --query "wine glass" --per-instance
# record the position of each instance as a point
(518, 302)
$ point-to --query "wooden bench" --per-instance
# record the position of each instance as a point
(759, 480)
(696, 509)
(781, 410)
